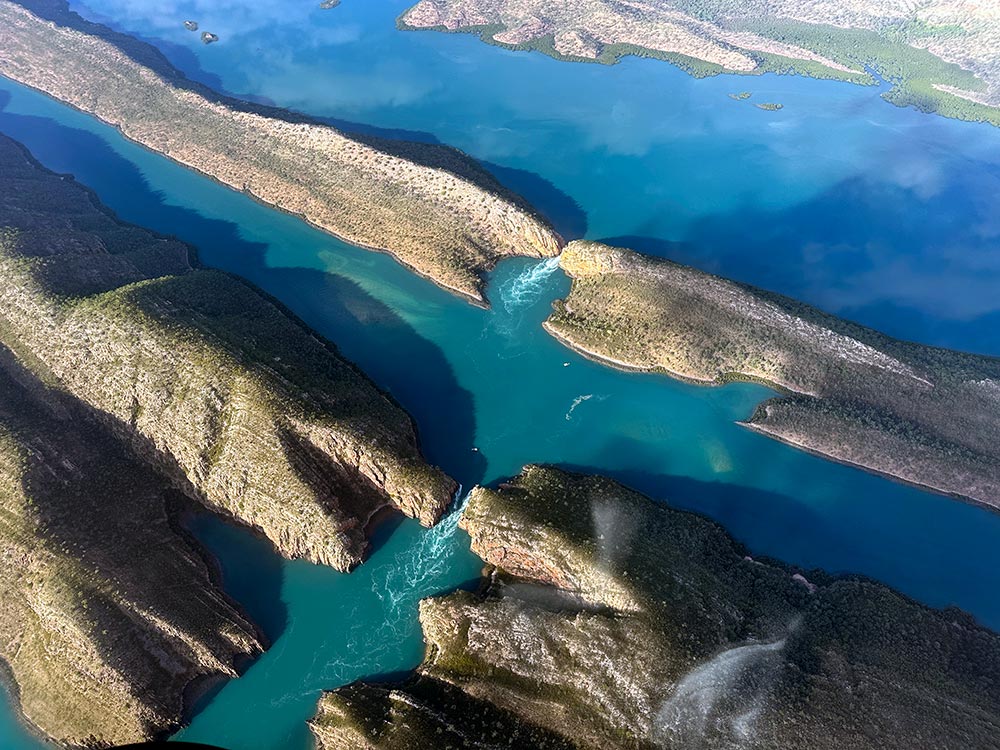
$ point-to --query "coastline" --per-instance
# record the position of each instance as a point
(940, 98)
(478, 301)
(750, 424)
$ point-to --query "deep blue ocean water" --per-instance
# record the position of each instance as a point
(888, 216)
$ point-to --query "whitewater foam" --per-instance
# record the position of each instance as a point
(527, 287)
(401, 583)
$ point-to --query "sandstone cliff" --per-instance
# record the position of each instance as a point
(109, 613)
(243, 407)
(432, 208)
(917, 413)
(611, 621)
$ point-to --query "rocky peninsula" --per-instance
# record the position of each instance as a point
(433, 208)
(244, 408)
(924, 415)
(110, 618)
(607, 620)
(939, 56)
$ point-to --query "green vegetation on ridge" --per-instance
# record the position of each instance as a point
(611, 621)
(245, 409)
(917, 413)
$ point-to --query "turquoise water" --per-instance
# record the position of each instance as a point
(887, 216)
(840, 198)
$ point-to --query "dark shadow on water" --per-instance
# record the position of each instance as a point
(566, 215)
(389, 678)
(737, 508)
(473, 584)
(383, 532)
(252, 572)
(915, 261)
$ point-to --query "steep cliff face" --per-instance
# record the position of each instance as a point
(246, 409)
(924, 415)
(611, 621)
(432, 208)
(108, 612)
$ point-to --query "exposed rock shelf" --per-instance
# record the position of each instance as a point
(242, 406)
(431, 207)
(611, 621)
(917, 413)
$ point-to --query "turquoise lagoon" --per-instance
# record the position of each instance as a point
(870, 211)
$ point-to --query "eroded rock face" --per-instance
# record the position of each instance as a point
(433, 208)
(917, 413)
(611, 621)
(109, 614)
(243, 407)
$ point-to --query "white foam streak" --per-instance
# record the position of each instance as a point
(527, 287)
(411, 574)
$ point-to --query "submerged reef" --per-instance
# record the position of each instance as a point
(924, 415)
(607, 620)
(938, 56)
(431, 207)
(244, 408)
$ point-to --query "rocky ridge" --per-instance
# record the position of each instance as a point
(110, 616)
(924, 415)
(431, 207)
(243, 407)
(611, 621)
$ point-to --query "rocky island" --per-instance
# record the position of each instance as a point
(924, 415)
(433, 208)
(939, 56)
(609, 621)
(246, 410)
